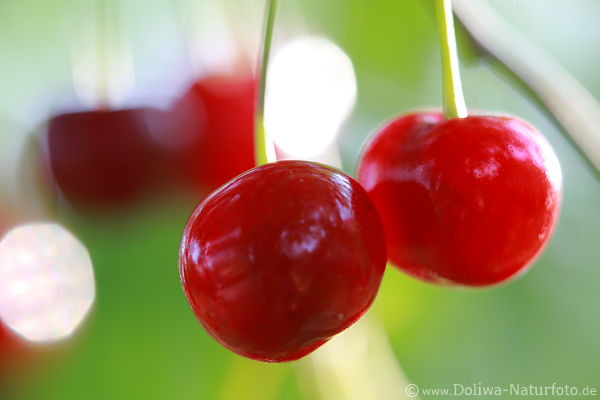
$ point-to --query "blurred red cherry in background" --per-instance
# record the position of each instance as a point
(207, 137)
(100, 159)
(14, 353)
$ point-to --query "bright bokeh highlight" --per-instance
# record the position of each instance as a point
(311, 90)
(46, 282)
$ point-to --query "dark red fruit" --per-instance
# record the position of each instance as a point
(100, 159)
(281, 258)
(209, 137)
(469, 201)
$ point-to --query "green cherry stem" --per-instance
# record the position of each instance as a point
(453, 99)
(260, 138)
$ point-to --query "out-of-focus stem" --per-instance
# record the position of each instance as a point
(358, 364)
(568, 102)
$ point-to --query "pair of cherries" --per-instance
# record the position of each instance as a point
(286, 255)
(281, 258)
(108, 159)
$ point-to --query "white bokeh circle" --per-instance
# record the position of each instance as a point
(311, 90)
(46, 282)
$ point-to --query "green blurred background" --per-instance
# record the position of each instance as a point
(142, 341)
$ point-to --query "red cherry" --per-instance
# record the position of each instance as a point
(210, 131)
(470, 201)
(281, 258)
(10, 346)
(15, 356)
(100, 159)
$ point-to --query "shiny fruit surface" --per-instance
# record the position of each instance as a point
(100, 159)
(468, 201)
(281, 258)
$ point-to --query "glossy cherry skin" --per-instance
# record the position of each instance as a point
(100, 159)
(281, 258)
(212, 131)
(469, 201)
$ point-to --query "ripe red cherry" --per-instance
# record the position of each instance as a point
(281, 258)
(468, 201)
(100, 159)
(209, 136)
